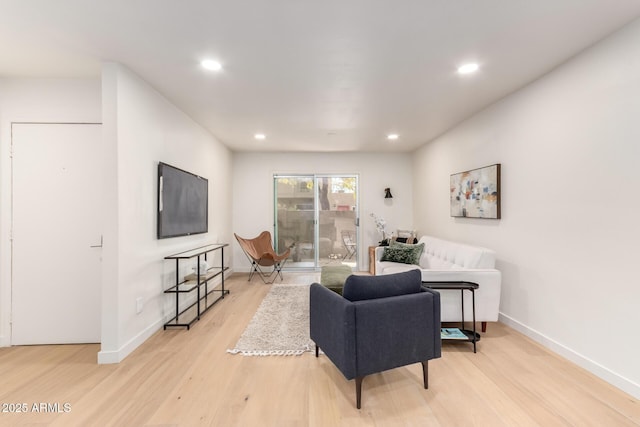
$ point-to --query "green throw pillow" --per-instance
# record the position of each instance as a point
(403, 253)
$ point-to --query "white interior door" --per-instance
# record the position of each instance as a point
(56, 246)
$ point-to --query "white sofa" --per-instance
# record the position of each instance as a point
(443, 260)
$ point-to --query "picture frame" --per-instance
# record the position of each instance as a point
(476, 193)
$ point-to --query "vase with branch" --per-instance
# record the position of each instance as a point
(380, 226)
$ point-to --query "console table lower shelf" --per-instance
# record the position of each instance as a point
(206, 293)
(205, 299)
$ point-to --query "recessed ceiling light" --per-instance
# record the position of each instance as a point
(469, 68)
(392, 136)
(212, 65)
(260, 136)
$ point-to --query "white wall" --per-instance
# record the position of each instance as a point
(253, 191)
(568, 241)
(141, 128)
(34, 100)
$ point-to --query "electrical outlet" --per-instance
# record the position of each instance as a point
(139, 305)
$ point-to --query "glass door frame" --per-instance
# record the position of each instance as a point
(316, 178)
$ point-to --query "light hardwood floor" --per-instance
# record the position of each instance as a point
(186, 378)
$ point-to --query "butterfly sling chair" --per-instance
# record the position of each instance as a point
(260, 252)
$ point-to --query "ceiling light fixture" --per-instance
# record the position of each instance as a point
(260, 136)
(211, 65)
(469, 68)
(392, 136)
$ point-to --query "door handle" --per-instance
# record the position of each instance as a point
(97, 246)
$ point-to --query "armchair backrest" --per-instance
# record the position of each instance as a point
(396, 331)
(357, 288)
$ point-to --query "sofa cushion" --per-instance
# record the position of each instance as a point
(358, 288)
(387, 267)
(403, 253)
(440, 254)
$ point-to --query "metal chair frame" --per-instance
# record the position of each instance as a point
(349, 244)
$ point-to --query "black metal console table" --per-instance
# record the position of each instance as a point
(198, 282)
(472, 336)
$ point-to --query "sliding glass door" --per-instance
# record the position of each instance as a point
(295, 207)
(337, 220)
(317, 217)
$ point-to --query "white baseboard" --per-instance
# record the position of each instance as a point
(598, 370)
(117, 356)
(5, 341)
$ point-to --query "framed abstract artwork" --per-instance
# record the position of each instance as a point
(476, 193)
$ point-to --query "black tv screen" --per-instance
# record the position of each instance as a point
(183, 202)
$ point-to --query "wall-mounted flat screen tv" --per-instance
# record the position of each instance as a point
(183, 202)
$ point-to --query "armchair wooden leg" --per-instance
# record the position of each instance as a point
(425, 373)
(484, 326)
(317, 350)
(358, 391)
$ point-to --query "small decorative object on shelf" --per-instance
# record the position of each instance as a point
(198, 281)
(202, 265)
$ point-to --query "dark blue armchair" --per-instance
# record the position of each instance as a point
(379, 323)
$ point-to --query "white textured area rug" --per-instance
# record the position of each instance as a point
(280, 326)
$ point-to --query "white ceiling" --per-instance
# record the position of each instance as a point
(313, 75)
